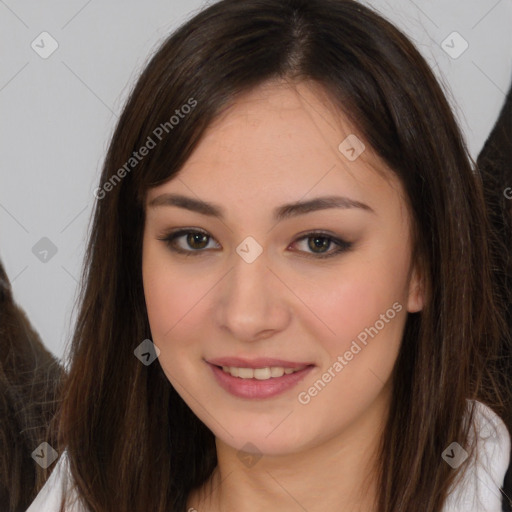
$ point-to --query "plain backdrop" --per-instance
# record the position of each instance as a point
(58, 112)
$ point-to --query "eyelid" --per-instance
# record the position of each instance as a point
(342, 245)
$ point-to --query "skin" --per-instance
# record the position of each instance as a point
(279, 144)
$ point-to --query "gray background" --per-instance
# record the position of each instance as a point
(58, 113)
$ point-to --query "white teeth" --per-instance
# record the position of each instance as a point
(245, 373)
(259, 373)
(276, 372)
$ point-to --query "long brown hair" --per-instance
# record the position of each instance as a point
(133, 443)
(30, 377)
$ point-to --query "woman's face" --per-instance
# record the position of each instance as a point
(266, 289)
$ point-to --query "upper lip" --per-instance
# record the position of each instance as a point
(259, 362)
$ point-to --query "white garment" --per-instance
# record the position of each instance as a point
(57, 486)
(478, 491)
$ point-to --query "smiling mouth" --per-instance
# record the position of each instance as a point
(265, 373)
(258, 379)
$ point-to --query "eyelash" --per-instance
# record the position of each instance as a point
(170, 238)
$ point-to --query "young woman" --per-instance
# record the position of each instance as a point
(287, 300)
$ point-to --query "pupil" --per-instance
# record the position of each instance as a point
(196, 237)
(323, 244)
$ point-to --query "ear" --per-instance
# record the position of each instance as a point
(415, 300)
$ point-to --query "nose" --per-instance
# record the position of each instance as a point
(253, 303)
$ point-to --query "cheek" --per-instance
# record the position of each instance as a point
(165, 304)
(165, 294)
(169, 292)
(365, 311)
(362, 294)
(177, 306)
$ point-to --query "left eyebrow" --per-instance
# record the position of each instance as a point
(319, 203)
(282, 212)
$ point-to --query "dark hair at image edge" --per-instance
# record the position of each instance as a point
(133, 443)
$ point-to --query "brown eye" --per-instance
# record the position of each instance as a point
(319, 242)
(197, 238)
(318, 245)
(192, 241)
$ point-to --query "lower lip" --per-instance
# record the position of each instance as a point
(254, 388)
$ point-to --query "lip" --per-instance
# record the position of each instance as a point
(258, 389)
(259, 362)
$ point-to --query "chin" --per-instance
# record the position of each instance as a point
(265, 439)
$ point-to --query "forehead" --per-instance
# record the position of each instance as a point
(278, 120)
(288, 140)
